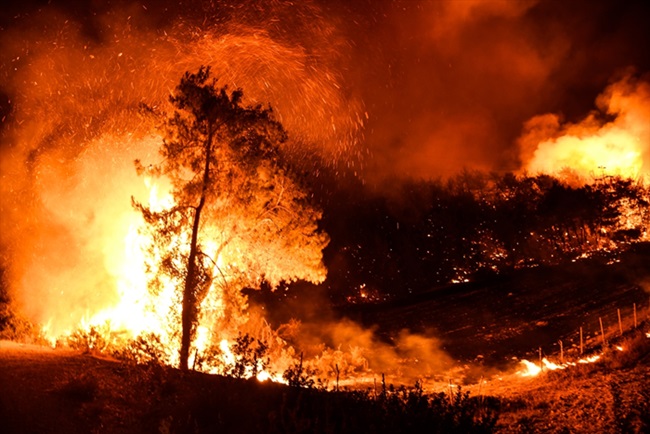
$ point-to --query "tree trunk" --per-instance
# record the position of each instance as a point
(189, 308)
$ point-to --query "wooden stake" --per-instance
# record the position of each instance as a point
(451, 393)
(634, 315)
(602, 331)
(561, 353)
(541, 365)
(582, 347)
(620, 324)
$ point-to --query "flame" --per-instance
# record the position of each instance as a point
(139, 311)
(132, 310)
(594, 147)
(531, 369)
(78, 252)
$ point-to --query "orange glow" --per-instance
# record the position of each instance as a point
(531, 369)
(594, 147)
(78, 251)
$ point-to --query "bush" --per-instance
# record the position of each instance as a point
(299, 376)
(92, 340)
(83, 388)
(14, 327)
(392, 410)
(145, 349)
(251, 357)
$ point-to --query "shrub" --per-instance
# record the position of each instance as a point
(146, 348)
(82, 388)
(299, 376)
(251, 357)
(90, 341)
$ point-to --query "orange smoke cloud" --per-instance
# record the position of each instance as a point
(448, 84)
(458, 71)
(612, 140)
(75, 127)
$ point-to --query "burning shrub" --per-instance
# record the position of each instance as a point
(93, 340)
(15, 327)
(298, 375)
(145, 349)
(250, 357)
(627, 351)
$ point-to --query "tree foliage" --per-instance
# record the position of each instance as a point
(239, 215)
(475, 225)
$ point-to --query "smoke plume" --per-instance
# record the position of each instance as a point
(448, 84)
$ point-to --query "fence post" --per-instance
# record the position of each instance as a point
(620, 323)
(582, 347)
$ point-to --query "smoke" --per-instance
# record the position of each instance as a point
(74, 81)
(612, 140)
(448, 84)
(339, 346)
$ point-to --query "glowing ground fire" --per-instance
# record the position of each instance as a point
(531, 369)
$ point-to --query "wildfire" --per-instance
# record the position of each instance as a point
(531, 369)
(594, 148)
(79, 256)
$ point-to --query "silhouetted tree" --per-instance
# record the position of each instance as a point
(239, 216)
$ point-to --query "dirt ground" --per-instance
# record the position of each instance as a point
(54, 391)
(57, 391)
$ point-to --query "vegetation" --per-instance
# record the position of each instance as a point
(13, 325)
(610, 395)
(250, 357)
(239, 215)
(473, 226)
(94, 395)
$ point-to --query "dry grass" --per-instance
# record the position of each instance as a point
(609, 396)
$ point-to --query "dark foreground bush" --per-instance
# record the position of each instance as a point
(402, 410)
(301, 410)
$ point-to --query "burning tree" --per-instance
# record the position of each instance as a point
(239, 216)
